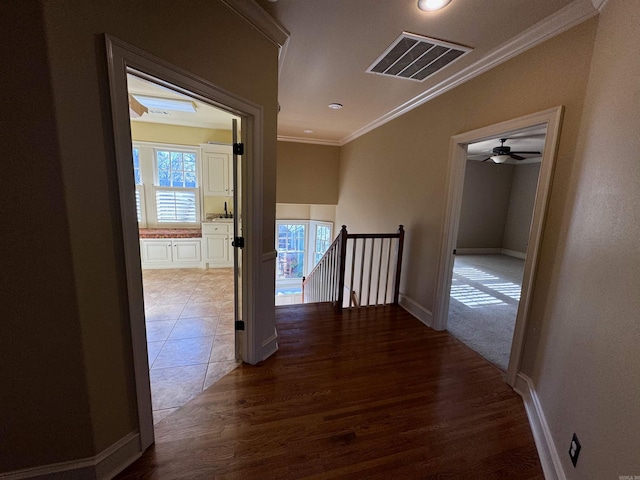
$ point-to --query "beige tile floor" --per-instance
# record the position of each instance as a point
(190, 334)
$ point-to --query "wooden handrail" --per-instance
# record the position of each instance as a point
(326, 282)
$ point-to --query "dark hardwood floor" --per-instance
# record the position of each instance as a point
(366, 394)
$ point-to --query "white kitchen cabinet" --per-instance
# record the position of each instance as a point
(217, 170)
(171, 253)
(217, 239)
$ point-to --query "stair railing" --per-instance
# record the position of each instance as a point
(362, 265)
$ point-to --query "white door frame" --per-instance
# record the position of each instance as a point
(552, 118)
(120, 57)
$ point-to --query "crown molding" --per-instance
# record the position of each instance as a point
(573, 14)
(599, 4)
(332, 143)
(260, 20)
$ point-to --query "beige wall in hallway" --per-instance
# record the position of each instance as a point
(44, 399)
(74, 328)
(584, 356)
(397, 173)
(307, 173)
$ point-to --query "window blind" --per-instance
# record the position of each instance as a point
(176, 206)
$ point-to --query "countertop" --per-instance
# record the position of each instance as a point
(170, 233)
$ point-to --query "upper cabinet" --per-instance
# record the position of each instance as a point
(217, 170)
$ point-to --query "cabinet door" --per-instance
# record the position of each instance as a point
(216, 173)
(156, 251)
(186, 251)
(217, 248)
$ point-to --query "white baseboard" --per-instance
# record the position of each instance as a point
(549, 458)
(478, 251)
(490, 251)
(270, 345)
(513, 253)
(106, 465)
(417, 310)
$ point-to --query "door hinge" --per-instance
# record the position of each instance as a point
(454, 251)
(238, 242)
(239, 325)
(238, 148)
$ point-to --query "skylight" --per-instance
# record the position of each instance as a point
(162, 104)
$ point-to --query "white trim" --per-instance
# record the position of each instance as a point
(415, 309)
(478, 251)
(269, 256)
(455, 184)
(253, 14)
(105, 465)
(120, 57)
(491, 251)
(573, 14)
(599, 4)
(333, 143)
(271, 339)
(549, 458)
(270, 346)
(513, 253)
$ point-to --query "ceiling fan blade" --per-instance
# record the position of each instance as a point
(486, 159)
(516, 157)
(528, 153)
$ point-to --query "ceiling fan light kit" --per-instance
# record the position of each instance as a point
(503, 153)
(500, 158)
(432, 5)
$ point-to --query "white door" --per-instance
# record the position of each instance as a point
(238, 241)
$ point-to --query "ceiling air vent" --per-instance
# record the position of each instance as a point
(416, 58)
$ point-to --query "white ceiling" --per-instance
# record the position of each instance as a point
(333, 42)
(206, 116)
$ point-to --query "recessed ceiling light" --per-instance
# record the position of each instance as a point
(308, 131)
(335, 106)
(431, 5)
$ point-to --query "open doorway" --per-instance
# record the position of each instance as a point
(121, 59)
(495, 219)
(550, 120)
(183, 173)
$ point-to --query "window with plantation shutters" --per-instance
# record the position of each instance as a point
(167, 183)
(137, 178)
(176, 205)
(176, 186)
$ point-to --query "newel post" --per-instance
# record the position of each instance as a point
(304, 279)
(341, 266)
(396, 286)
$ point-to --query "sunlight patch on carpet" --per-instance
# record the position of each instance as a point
(472, 297)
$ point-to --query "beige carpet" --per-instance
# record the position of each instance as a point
(485, 292)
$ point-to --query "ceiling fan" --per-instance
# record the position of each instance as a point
(501, 154)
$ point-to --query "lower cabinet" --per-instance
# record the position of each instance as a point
(171, 253)
(217, 240)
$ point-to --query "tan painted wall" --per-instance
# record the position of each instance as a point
(307, 173)
(157, 132)
(585, 362)
(485, 202)
(44, 399)
(396, 174)
(521, 201)
(325, 213)
(72, 252)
